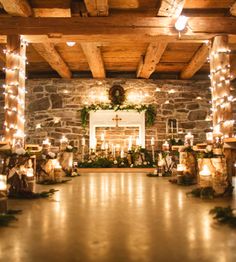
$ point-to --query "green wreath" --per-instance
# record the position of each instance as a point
(117, 95)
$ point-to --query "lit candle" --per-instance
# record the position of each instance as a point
(64, 140)
(181, 167)
(137, 141)
(166, 146)
(130, 143)
(83, 141)
(122, 154)
(189, 139)
(209, 137)
(46, 142)
(152, 141)
(30, 172)
(3, 182)
(102, 137)
(205, 171)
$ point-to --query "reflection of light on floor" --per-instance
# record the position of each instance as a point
(153, 194)
(180, 200)
(139, 188)
(206, 227)
(57, 198)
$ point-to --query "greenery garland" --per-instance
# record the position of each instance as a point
(224, 215)
(150, 111)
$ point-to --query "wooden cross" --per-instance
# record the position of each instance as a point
(117, 119)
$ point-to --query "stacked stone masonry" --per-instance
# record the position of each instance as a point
(53, 106)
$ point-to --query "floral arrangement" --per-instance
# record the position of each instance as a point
(70, 149)
(150, 111)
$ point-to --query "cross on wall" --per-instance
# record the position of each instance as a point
(117, 119)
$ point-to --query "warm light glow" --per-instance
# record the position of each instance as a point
(30, 172)
(181, 23)
(181, 167)
(70, 44)
(3, 182)
(46, 142)
(205, 171)
(64, 140)
(209, 136)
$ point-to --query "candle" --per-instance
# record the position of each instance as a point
(46, 142)
(102, 137)
(181, 167)
(166, 146)
(64, 140)
(30, 172)
(122, 154)
(3, 182)
(152, 141)
(103, 146)
(137, 141)
(209, 137)
(130, 143)
(83, 141)
(189, 139)
(205, 171)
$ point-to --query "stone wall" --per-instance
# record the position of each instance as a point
(52, 106)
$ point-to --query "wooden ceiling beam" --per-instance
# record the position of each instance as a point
(197, 61)
(97, 7)
(148, 63)
(171, 8)
(50, 54)
(94, 57)
(17, 7)
(145, 26)
(2, 55)
(233, 9)
(205, 4)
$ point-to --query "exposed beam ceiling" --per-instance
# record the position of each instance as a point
(233, 67)
(17, 7)
(94, 57)
(205, 4)
(131, 26)
(2, 55)
(196, 62)
(97, 7)
(148, 63)
(46, 50)
(50, 54)
(233, 9)
(171, 8)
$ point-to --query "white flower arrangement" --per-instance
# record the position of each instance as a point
(115, 162)
(20, 151)
(209, 148)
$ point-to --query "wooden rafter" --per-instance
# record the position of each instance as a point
(94, 57)
(17, 7)
(46, 50)
(196, 62)
(50, 54)
(148, 63)
(171, 8)
(2, 55)
(97, 7)
(233, 9)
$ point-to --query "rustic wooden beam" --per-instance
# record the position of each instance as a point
(207, 4)
(17, 7)
(2, 55)
(97, 7)
(196, 62)
(148, 63)
(50, 54)
(171, 8)
(233, 9)
(118, 25)
(94, 57)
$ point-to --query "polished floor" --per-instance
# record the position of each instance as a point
(117, 217)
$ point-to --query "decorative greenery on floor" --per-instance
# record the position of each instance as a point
(6, 219)
(184, 180)
(32, 195)
(150, 111)
(224, 215)
(53, 182)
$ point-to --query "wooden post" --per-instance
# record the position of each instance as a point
(15, 90)
(220, 86)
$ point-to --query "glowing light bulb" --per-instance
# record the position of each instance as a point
(70, 44)
(181, 23)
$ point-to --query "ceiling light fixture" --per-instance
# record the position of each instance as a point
(181, 23)
(70, 44)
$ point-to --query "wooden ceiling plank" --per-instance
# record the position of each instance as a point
(52, 12)
(94, 57)
(233, 9)
(197, 61)
(233, 67)
(17, 7)
(50, 54)
(203, 4)
(171, 8)
(2, 55)
(97, 7)
(148, 63)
